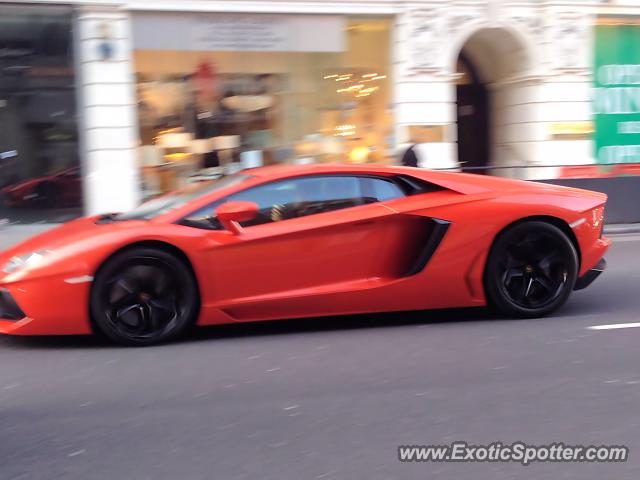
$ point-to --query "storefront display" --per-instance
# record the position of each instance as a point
(246, 90)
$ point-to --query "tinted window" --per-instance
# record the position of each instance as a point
(300, 197)
(380, 189)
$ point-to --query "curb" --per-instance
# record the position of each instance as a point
(622, 228)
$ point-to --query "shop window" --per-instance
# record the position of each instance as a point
(248, 90)
(39, 162)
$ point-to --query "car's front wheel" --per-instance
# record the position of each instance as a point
(531, 270)
(144, 296)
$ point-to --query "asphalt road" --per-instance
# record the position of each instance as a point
(332, 398)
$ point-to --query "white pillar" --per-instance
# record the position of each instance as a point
(107, 110)
(568, 87)
(424, 88)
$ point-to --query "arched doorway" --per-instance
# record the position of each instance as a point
(489, 65)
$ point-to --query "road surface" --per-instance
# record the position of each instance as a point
(332, 398)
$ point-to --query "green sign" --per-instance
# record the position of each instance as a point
(616, 99)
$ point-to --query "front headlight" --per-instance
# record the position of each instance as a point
(20, 261)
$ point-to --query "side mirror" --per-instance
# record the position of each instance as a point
(230, 214)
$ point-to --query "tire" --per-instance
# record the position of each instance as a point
(531, 270)
(144, 296)
(48, 195)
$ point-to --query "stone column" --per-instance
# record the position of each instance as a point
(107, 109)
(424, 85)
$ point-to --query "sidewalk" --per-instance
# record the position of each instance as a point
(10, 235)
(13, 234)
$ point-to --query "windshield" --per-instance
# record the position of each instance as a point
(171, 201)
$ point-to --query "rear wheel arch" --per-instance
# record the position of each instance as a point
(505, 302)
(555, 221)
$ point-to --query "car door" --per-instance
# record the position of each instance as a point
(313, 236)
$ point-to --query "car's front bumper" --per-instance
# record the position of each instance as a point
(587, 279)
(45, 306)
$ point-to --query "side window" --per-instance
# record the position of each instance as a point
(381, 189)
(272, 199)
(324, 194)
(299, 197)
(266, 196)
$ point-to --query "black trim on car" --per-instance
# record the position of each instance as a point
(415, 186)
(436, 235)
(9, 309)
(588, 278)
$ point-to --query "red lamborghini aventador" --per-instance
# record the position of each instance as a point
(298, 241)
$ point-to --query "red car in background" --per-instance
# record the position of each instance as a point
(300, 241)
(59, 190)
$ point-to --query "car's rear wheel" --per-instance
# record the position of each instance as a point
(144, 296)
(531, 270)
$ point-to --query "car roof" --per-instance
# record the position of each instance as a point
(289, 170)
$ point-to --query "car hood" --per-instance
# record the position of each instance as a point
(65, 235)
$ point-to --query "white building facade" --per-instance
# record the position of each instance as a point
(502, 87)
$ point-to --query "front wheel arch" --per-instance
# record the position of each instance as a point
(156, 244)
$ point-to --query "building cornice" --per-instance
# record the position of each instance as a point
(373, 7)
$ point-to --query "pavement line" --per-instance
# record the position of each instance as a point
(615, 326)
(624, 238)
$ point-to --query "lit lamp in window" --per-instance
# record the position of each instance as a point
(176, 152)
(333, 148)
(175, 144)
(307, 150)
(150, 158)
(199, 148)
(359, 154)
(248, 103)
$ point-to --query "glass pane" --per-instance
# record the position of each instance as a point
(39, 165)
(244, 90)
(301, 197)
(289, 199)
(379, 190)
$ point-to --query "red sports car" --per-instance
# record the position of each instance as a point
(61, 189)
(299, 241)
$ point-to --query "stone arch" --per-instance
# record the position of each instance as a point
(504, 59)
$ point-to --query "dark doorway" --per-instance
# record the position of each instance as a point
(473, 119)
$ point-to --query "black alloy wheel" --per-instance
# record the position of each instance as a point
(531, 270)
(143, 297)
